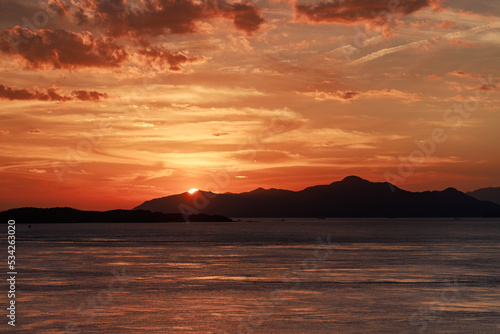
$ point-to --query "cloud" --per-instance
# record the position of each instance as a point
(384, 52)
(166, 57)
(402, 75)
(246, 17)
(393, 93)
(338, 95)
(144, 125)
(152, 18)
(38, 171)
(486, 87)
(60, 48)
(58, 6)
(465, 74)
(35, 131)
(445, 25)
(151, 175)
(460, 42)
(450, 36)
(138, 20)
(158, 17)
(52, 94)
(351, 95)
(472, 31)
(433, 77)
(85, 95)
(11, 93)
(378, 12)
(429, 25)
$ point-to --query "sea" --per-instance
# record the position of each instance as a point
(258, 276)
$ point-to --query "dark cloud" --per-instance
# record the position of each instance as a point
(11, 93)
(15, 12)
(154, 18)
(85, 95)
(347, 95)
(487, 87)
(60, 48)
(138, 20)
(246, 17)
(353, 11)
(164, 57)
(158, 17)
(52, 94)
(338, 95)
(218, 134)
(466, 74)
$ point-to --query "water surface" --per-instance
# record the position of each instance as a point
(266, 276)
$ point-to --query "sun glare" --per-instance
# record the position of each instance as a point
(192, 191)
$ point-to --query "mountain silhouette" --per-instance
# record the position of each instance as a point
(487, 194)
(351, 197)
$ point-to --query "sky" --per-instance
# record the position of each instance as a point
(106, 104)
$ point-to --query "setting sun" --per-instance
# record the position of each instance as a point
(192, 191)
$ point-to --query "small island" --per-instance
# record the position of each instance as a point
(70, 215)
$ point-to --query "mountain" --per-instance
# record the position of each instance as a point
(70, 215)
(351, 197)
(487, 194)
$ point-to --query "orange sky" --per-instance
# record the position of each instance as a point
(105, 104)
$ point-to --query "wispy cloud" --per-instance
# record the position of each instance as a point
(52, 94)
(450, 36)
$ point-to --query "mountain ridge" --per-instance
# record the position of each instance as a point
(349, 197)
(491, 194)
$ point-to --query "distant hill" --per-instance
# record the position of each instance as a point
(70, 215)
(487, 194)
(351, 197)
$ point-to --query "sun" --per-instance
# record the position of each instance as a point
(192, 191)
